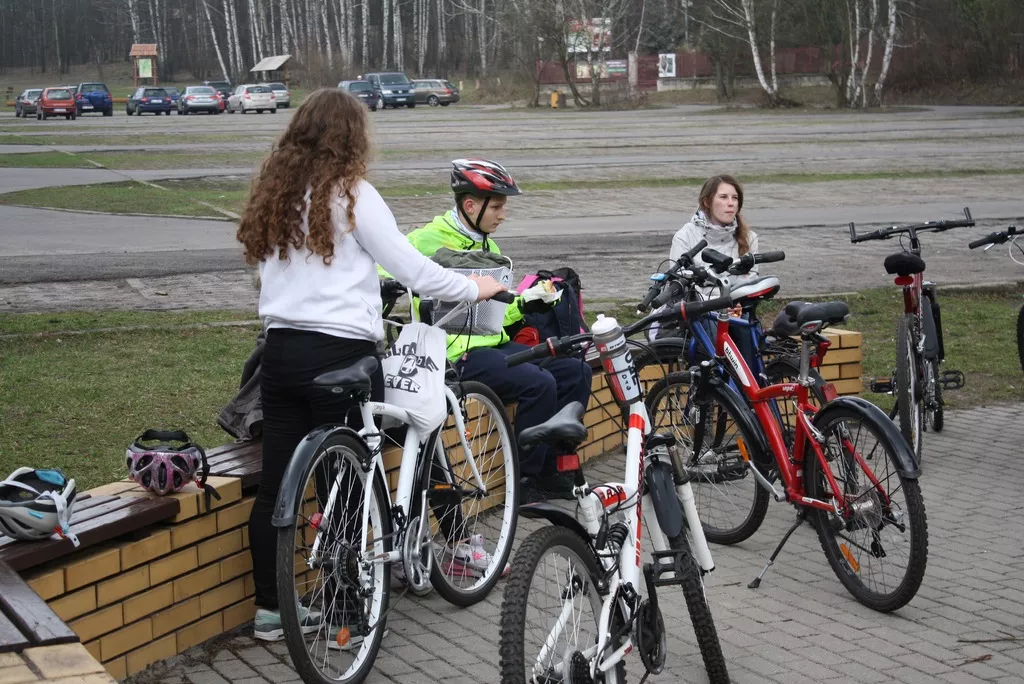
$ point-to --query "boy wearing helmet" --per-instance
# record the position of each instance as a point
(481, 190)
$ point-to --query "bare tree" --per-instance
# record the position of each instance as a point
(216, 43)
(740, 19)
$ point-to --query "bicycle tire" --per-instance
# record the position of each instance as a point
(444, 580)
(306, 664)
(1020, 337)
(937, 415)
(513, 624)
(700, 613)
(843, 561)
(736, 411)
(908, 400)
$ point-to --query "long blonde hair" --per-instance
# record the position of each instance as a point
(325, 149)
(707, 193)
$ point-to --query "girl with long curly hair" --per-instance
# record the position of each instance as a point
(317, 230)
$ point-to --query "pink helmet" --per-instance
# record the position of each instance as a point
(165, 468)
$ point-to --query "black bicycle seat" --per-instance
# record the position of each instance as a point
(796, 316)
(355, 378)
(904, 264)
(566, 426)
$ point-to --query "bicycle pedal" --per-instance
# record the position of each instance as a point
(952, 380)
(444, 495)
(881, 386)
(675, 569)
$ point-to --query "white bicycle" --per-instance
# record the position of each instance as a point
(450, 524)
(578, 599)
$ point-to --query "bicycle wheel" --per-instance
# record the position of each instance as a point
(878, 546)
(339, 582)
(551, 612)
(908, 390)
(729, 500)
(700, 614)
(935, 418)
(473, 526)
(1020, 336)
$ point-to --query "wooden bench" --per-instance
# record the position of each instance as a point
(26, 620)
(243, 460)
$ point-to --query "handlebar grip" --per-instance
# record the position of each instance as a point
(696, 249)
(769, 257)
(542, 350)
(671, 291)
(690, 310)
(990, 238)
(652, 292)
(505, 297)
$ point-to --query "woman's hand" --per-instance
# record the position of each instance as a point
(488, 287)
(736, 311)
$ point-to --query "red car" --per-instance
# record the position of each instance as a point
(56, 102)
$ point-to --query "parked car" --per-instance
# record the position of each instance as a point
(174, 93)
(252, 98)
(26, 102)
(223, 87)
(394, 88)
(200, 99)
(364, 91)
(283, 95)
(56, 102)
(93, 97)
(148, 99)
(434, 92)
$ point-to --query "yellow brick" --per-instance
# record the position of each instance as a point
(143, 551)
(250, 585)
(125, 584)
(192, 531)
(229, 488)
(117, 668)
(224, 595)
(47, 584)
(220, 546)
(10, 660)
(161, 649)
(239, 614)
(245, 537)
(196, 582)
(98, 678)
(93, 567)
(93, 647)
(236, 515)
(848, 339)
(173, 618)
(178, 564)
(837, 356)
(99, 623)
(851, 370)
(200, 631)
(65, 660)
(829, 372)
(125, 639)
(17, 675)
(148, 603)
(236, 565)
(189, 504)
(849, 386)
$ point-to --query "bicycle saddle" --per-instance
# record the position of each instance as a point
(755, 290)
(903, 264)
(355, 378)
(808, 317)
(565, 426)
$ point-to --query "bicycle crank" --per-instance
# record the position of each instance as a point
(417, 557)
(650, 637)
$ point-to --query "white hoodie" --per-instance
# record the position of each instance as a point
(720, 238)
(343, 298)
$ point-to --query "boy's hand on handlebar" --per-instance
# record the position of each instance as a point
(488, 287)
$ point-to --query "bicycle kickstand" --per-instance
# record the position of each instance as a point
(801, 516)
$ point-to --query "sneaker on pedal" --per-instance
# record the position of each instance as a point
(469, 560)
(267, 625)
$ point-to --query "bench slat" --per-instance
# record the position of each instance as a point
(233, 451)
(11, 638)
(29, 613)
(95, 507)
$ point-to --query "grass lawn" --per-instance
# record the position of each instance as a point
(77, 400)
(181, 195)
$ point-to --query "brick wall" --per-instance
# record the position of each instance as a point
(136, 602)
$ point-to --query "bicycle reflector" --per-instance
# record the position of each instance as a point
(567, 463)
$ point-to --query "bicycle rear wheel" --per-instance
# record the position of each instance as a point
(472, 526)
(729, 500)
(908, 384)
(337, 593)
(1020, 336)
(878, 546)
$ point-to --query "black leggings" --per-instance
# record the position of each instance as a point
(292, 407)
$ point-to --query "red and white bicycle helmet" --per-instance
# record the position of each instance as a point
(165, 468)
(482, 178)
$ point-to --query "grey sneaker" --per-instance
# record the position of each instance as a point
(267, 625)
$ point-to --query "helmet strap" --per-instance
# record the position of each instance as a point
(476, 224)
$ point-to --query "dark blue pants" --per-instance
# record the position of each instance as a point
(540, 391)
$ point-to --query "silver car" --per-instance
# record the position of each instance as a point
(252, 98)
(26, 102)
(284, 96)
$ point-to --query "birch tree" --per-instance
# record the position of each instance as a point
(739, 19)
(213, 37)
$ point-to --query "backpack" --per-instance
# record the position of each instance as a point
(564, 318)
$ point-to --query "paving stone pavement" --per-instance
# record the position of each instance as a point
(965, 625)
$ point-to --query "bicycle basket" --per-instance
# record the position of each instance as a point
(481, 318)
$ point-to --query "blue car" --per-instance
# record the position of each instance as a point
(93, 98)
(174, 94)
(148, 99)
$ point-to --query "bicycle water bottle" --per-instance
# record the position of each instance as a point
(616, 360)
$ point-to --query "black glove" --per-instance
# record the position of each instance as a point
(533, 306)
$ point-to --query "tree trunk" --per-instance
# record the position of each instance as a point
(863, 87)
(851, 80)
(442, 38)
(398, 39)
(771, 46)
(384, 26)
(890, 39)
(751, 24)
(133, 15)
(216, 43)
(481, 35)
(366, 34)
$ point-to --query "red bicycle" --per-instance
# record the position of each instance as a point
(844, 465)
(917, 382)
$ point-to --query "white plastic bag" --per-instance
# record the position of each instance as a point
(414, 375)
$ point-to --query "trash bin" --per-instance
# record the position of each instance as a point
(557, 99)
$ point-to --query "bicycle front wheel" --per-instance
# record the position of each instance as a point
(332, 595)
(730, 502)
(878, 545)
(700, 613)
(908, 379)
(551, 612)
(1020, 336)
(473, 498)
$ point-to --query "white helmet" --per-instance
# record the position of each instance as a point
(36, 503)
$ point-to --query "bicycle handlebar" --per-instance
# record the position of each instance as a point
(505, 297)
(997, 238)
(684, 260)
(912, 228)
